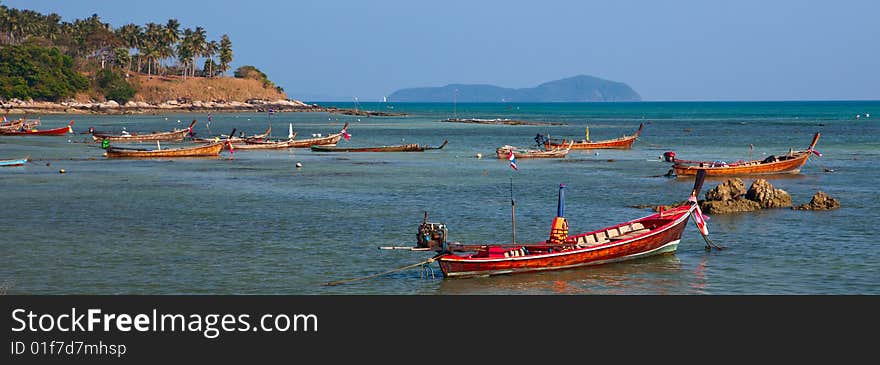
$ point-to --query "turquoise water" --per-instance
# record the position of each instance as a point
(254, 223)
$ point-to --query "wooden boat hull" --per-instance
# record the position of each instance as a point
(15, 162)
(175, 135)
(253, 138)
(624, 142)
(212, 149)
(664, 237)
(412, 147)
(33, 132)
(504, 151)
(268, 145)
(790, 164)
(330, 140)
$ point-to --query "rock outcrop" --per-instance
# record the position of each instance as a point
(763, 192)
(732, 197)
(820, 201)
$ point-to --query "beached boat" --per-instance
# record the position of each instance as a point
(412, 147)
(329, 140)
(235, 139)
(14, 162)
(519, 152)
(201, 150)
(174, 135)
(655, 234)
(624, 142)
(789, 163)
(36, 132)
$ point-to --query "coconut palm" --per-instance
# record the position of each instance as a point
(225, 52)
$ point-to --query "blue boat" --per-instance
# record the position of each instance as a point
(16, 162)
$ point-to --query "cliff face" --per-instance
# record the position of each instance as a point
(580, 88)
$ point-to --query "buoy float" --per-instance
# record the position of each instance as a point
(479, 155)
(61, 171)
(299, 165)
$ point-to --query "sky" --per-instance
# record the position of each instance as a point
(666, 50)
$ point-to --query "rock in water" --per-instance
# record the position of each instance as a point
(820, 201)
(729, 206)
(728, 190)
(763, 192)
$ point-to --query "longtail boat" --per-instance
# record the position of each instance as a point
(789, 163)
(330, 140)
(201, 150)
(412, 147)
(239, 139)
(174, 135)
(518, 152)
(14, 162)
(265, 145)
(36, 132)
(624, 142)
(659, 233)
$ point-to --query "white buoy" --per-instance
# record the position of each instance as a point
(299, 165)
(178, 120)
(479, 155)
(597, 153)
(867, 115)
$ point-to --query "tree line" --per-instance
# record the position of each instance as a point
(153, 49)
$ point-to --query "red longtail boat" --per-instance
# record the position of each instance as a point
(35, 132)
(624, 142)
(655, 234)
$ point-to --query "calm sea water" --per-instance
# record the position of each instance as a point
(254, 223)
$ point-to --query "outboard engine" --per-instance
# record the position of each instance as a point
(432, 235)
(669, 156)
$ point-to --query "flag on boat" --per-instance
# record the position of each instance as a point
(512, 160)
(817, 153)
(209, 117)
(345, 135)
(700, 219)
(231, 149)
(271, 111)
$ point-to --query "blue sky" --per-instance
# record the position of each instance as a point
(665, 50)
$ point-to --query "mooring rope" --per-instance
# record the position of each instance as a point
(338, 282)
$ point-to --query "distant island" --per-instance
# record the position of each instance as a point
(581, 88)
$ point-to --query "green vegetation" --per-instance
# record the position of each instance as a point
(43, 57)
(114, 87)
(36, 72)
(251, 72)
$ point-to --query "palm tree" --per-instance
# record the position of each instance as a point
(225, 53)
(198, 44)
(210, 51)
(185, 50)
(129, 35)
(152, 43)
(170, 37)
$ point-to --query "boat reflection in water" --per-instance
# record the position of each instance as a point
(654, 275)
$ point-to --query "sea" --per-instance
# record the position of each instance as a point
(252, 222)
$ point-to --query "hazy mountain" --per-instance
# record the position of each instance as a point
(580, 88)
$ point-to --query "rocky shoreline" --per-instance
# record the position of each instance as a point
(111, 107)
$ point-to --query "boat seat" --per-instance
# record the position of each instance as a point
(613, 233)
(637, 226)
(601, 238)
(624, 229)
(631, 234)
(587, 241)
